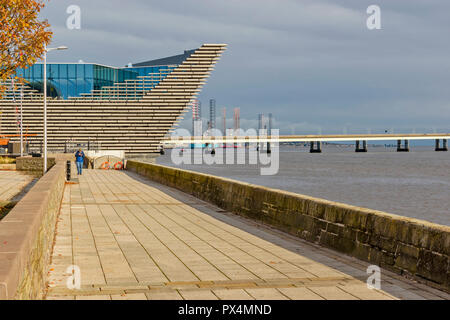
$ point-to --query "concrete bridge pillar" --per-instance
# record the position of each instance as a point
(404, 148)
(364, 146)
(314, 149)
(444, 145)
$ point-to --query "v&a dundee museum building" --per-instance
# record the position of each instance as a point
(130, 109)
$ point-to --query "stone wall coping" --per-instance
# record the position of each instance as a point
(18, 231)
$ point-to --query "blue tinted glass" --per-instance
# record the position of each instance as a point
(37, 71)
(89, 71)
(71, 89)
(20, 72)
(80, 71)
(28, 73)
(52, 84)
(63, 88)
(89, 85)
(72, 71)
(80, 86)
(85, 77)
(53, 71)
(63, 71)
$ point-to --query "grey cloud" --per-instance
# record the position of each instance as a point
(311, 63)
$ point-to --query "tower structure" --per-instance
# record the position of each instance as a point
(237, 119)
(269, 133)
(196, 113)
(212, 114)
(269, 127)
(260, 122)
(224, 121)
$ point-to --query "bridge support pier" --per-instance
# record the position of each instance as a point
(404, 148)
(313, 149)
(438, 145)
(361, 149)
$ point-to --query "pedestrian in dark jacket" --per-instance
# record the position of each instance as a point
(79, 156)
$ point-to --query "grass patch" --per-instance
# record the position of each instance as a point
(7, 160)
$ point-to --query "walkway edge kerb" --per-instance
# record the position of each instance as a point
(411, 247)
(26, 238)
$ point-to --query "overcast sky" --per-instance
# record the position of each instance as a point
(313, 63)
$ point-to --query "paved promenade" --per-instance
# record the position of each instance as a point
(12, 183)
(134, 239)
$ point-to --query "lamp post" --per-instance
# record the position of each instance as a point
(21, 120)
(46, 50)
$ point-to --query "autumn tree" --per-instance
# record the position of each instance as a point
(22, 35)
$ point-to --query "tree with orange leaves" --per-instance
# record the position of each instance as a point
(22, 35)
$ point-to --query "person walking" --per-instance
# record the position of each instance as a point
(79, 155)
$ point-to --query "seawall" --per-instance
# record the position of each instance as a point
(26, 237)
(413, 248)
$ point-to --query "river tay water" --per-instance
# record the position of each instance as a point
(414, 184)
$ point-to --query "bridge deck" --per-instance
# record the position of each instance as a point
(134, 239)
(180, 140)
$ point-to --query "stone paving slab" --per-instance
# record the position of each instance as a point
(12, 183)
(134, 239)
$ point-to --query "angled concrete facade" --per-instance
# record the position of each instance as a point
(130, 116)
